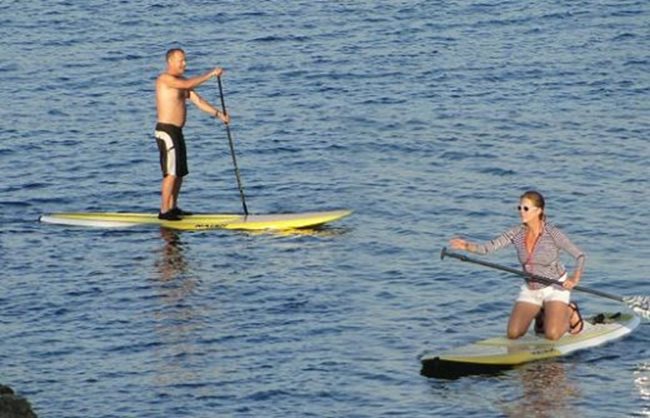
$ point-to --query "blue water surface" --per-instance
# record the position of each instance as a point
(427, 118)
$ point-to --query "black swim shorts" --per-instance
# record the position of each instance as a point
(171, 144)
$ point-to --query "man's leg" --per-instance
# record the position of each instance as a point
(168, 193)
(176, 191)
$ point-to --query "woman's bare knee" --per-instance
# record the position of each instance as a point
(553, 335)
(514, 333)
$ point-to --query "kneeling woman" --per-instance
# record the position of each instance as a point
(538, 246)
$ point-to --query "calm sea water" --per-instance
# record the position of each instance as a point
(426, 118)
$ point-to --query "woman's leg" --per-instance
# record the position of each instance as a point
(556, 319)
(522, 315)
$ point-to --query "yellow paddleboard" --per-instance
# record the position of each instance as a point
(198, 221)
(495, 354)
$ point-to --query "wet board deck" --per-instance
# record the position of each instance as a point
(198, 221)
(495, 354)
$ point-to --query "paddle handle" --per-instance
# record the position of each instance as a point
(223, 101)
(528, 276)
(232, 150)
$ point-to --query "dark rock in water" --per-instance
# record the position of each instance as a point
(14, 406)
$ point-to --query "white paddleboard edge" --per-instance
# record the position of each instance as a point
(614, 335)
(82, 222)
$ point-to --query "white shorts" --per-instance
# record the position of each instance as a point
(545, 294)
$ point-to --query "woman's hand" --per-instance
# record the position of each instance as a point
(459, 244)
(570, 283)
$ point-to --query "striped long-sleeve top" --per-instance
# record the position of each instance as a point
(544, 259)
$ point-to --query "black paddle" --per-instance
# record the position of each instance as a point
(232, 150)
(639, 304)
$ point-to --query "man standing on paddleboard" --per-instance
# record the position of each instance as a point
(538, 244)
(172, 92)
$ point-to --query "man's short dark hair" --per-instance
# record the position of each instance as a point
(172, 51)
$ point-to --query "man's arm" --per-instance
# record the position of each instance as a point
(189, 83)
(203, 104)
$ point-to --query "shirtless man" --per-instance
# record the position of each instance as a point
(172, 92)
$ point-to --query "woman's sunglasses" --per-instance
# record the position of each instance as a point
(525, 208)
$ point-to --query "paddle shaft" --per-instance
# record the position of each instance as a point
(528, 276)
(232, 150)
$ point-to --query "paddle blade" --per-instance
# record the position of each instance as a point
(639, 304)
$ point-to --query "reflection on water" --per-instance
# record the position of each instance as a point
(546, 392)
(171, 264)
(642, 383)
(323, 231)
(177, 320)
